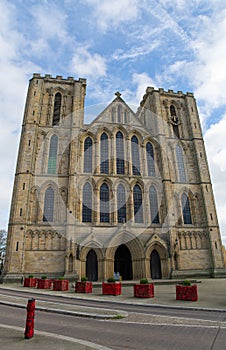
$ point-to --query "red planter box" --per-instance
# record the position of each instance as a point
(143, 290)
(60, 285)
(83, 287)
(44, 283)
(187, 292)
(30, 282)
(111, 288)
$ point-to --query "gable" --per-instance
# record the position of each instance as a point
(117, 113)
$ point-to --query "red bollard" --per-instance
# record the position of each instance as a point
(29, 330)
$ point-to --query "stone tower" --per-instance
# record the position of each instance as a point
(53, 115)
(128, 193)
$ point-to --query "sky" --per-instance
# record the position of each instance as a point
(117, 46)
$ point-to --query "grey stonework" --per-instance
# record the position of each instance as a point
(165, 119)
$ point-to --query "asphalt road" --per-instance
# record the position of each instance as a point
(123, 335)
(151, 309)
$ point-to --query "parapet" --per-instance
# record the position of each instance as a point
(150, 90)
(58, 78)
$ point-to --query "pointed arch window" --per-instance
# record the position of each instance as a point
(121, 204)
(48, 205)
(56, 108)
(120, 164)
(87, 203)
(153, 200)
(174, 121)
(180, 164)
(88, 165)
(52, 161)
(150, 159)
(186, 209)
(104, 203)
(104, 157)
(135, 156)
(137, 204)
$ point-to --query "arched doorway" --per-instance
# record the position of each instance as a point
(91, 266)
(123, 262)
(156, 271)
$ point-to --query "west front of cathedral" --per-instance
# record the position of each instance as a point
(128, 193)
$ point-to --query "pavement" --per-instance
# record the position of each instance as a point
(211, 296)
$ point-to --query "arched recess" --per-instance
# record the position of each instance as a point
(123, 262)
(136, 249)
(155, 265)
(158, 245)
(92, 266)
(97, 248)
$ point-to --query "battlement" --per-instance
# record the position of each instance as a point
(150, 90)
(58, 78)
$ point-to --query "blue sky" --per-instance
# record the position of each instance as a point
(117, 46)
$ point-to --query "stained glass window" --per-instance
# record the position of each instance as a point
(52, 161)
(153, 199)
(137, 203)
(104, 203)
(87, 203)
(135, 156)
(104, 161)
(88, 155)
(48, 205)
(121, 204)
(186, 209)
(120, 166)
(150, 159)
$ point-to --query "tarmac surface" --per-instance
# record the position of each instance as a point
(211, 296)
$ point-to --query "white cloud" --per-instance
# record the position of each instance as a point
(14, 71)
(142, 80)
(50, 21)
(216, 150)
(86, 64)
(210, 74)
(109, 14)
(136, 52)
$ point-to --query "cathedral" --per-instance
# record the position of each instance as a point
(128, 193)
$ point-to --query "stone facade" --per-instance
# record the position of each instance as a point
(128, 193)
